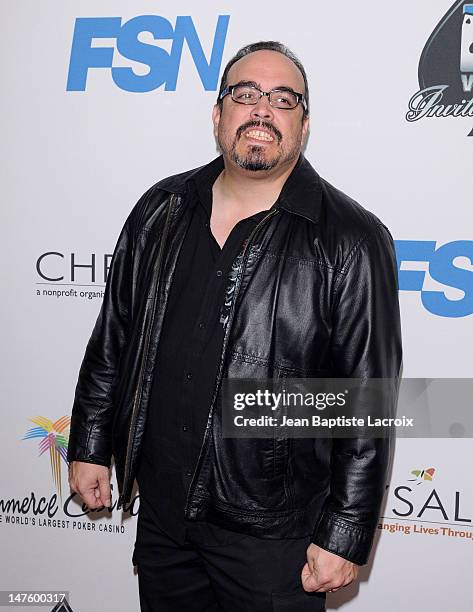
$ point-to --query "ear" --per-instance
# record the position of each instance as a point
(216, 113)
(305, 130)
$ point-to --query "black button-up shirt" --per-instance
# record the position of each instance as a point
(187, 362)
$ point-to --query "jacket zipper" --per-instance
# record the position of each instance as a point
(137, 398)
(222, 356)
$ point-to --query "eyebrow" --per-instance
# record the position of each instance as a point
(255, 84)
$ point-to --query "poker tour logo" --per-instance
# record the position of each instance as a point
(446, 69)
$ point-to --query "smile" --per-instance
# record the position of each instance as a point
(259, 135)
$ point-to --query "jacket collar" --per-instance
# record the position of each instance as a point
(301, 193)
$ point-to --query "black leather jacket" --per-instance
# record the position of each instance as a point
(313, 292)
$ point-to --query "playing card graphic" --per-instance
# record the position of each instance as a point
(466, 54)
(446, 69)
(448, 53)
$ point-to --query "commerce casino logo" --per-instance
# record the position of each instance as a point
(446, 69)
(134, 41)
(53, 436)
(58, 508)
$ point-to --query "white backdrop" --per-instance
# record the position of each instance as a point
(75, 162)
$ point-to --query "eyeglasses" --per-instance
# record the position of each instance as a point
(278, 98)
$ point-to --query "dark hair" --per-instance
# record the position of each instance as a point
(265, 45)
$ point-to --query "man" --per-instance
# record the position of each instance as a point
(252, 266)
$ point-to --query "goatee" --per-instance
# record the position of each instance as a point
(254, 160)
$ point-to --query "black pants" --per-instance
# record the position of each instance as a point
(244, 574)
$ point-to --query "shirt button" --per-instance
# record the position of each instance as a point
(189, 375)
(201, 325)
(219, 272)
(184, 428)
(188, 473)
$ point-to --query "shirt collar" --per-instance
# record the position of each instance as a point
(200, 184)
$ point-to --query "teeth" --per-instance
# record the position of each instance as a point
(259, 135)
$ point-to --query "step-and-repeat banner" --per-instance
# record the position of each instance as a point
(100, 100)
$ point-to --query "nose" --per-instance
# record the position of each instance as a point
(262, 109)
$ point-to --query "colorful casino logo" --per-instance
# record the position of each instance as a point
(421, 475)
(446, 69)
(53, 437)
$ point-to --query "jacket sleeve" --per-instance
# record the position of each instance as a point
(366, 343)
(93, 407)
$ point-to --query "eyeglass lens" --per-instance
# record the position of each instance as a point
(246, 94)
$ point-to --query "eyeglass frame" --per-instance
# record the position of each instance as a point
(229, 90)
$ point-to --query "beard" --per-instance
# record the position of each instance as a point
(255, 157)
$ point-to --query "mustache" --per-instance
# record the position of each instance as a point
(256, 124)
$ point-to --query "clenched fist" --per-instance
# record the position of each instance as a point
(91, 482)
(325, 571)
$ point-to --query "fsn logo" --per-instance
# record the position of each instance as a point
(450, 265)
(163, 67)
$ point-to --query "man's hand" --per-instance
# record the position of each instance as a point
(91, 482)
(325, 571)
